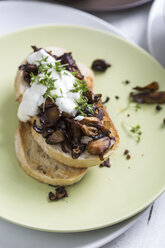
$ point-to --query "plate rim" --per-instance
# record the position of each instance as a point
(121, 38)
(78, 11)
(114, 8)
(133, 213)
(150, 24)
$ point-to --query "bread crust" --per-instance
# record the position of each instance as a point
(37, 164)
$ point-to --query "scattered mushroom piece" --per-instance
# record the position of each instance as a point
(59, 194)
(106, 163)
(158, 107)
(147, 97)
(100, 65)
(70, 64)
(154, 86)
(52, 196)
(106, 100)
(128, 156)
(98, 147)
(126, 151)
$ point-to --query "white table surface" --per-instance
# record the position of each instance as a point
(133, 24)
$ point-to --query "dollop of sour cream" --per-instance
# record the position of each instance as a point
(63, 82)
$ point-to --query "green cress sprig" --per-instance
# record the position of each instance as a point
(47, 80)
(134, 131)
(82, 103)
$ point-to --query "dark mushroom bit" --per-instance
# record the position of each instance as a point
(154, 86)
(149, 98)
(28, 68)
(60, 192)
(100, 65)
(70, 64)
(106, 100)
(106, 163)
(148, 94)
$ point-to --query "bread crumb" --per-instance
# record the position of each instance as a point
(129, 167)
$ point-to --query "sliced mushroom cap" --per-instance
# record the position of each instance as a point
(89, 131)
(90, 121)
(150, 87)
(98, 147)
(55, 138)
(149, 98)
(77, 150)
(50, 117)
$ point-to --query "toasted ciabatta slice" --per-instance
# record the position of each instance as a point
(38, 164)
(21, 85)
(54, 151)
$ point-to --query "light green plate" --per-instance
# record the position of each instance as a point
(104, 196)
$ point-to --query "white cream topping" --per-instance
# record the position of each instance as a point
(32, 98)
(35, 57)
(79, 118)
(64, 83)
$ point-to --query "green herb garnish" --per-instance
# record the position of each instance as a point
(131, 106)
(133, 131)
(83, 104)
(44, 77)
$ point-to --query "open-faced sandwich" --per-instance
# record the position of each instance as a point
(64, 127)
